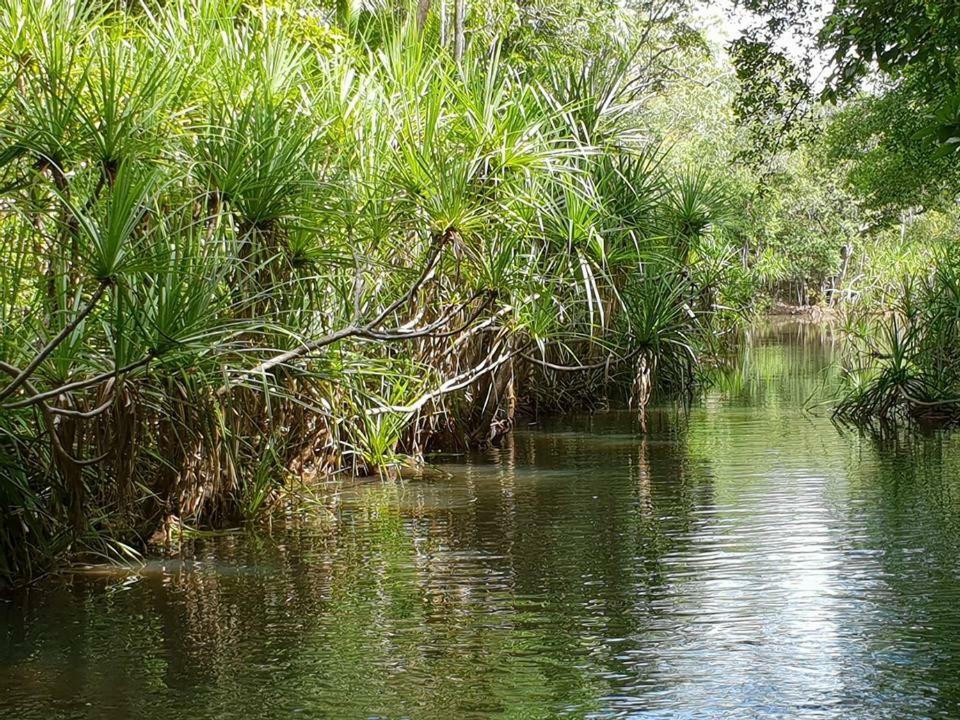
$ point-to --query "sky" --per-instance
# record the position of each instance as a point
(723, 21)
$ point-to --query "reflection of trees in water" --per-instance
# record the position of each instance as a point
(906, 496)
(584, 566)
(584, 531)
(546, 585)
(779, 364)
(390, 629)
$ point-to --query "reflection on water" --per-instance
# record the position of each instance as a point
(743, 560)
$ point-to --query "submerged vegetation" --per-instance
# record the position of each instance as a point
(248, 244)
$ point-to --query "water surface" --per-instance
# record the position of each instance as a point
(743, 559)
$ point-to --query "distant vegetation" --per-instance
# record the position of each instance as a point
(891, 78)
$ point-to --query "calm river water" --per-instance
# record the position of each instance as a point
(744, 559)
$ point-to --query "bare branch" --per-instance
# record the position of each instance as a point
(21, 378)
(457, 382)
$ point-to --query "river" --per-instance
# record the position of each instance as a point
(743, 559)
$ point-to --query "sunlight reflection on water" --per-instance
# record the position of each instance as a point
(743, 560)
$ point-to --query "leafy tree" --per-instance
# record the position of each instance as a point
(890, 171)
(911, 41)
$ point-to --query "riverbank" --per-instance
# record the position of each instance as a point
(259, 245)
(802, 313)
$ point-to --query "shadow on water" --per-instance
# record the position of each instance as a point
(743, 559)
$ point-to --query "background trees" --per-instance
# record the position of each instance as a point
(892, 73)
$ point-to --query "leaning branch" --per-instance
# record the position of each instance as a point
(50, 422)
(39, 397)
(579, 368)
(458, 382)
(25, 374)
(353, 330)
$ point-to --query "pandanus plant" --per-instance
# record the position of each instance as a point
(903, 365)
(230, 256)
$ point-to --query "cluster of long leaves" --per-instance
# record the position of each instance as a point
(904, 363)
(231, 253)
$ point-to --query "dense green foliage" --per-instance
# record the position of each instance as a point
(246, 243)
(890, 134)
(906, 364)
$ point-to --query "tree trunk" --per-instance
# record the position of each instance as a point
(443, 23)
(423, 10)
(459, 11)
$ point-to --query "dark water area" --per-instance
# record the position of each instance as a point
(743, 559)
